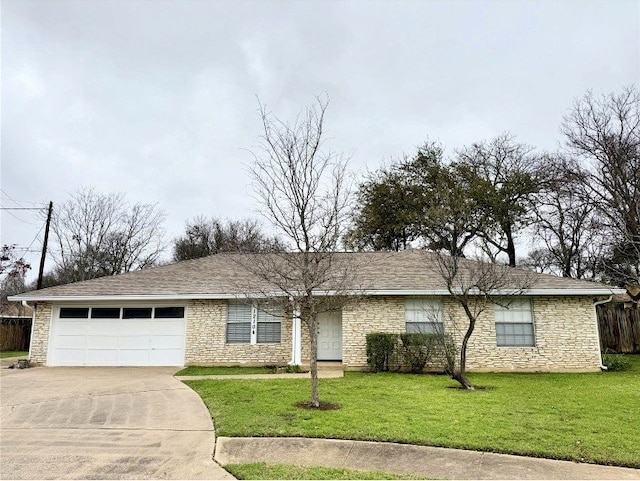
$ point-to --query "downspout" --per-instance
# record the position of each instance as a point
(33, 324)
(595, 315)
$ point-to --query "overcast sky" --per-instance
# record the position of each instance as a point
(157, 99)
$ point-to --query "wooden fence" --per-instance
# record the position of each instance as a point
(619, 328)
(15, 334)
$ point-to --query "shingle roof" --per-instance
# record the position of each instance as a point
(224, 275)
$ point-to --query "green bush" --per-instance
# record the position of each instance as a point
(410, 352)
(293, 369)
(614, 362)
(417, 349)
(381, 351)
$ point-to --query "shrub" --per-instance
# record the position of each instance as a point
(293, 369)
(381, 349)
(417, 350)
(614, 362)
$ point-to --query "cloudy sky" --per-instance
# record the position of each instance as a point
(157, 99)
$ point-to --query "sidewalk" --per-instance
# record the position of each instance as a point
(430, 462)
(322, 374)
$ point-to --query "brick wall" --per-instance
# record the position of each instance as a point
(565, 333)
(372, 314)
(566, 338)
(40, 333)
(206, 339)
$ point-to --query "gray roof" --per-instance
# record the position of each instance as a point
(411, 272)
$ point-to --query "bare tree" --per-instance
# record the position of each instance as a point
(605, 133)
(10, 265)
(476, 286)
(204, 237)
(102, 234)
(565, 222)
(302, 191)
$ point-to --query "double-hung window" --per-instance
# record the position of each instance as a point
(239, 320)
(424, 315)
(514, 323)
(269, 323)
(253, 323)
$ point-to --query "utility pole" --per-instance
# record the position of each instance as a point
(44, 246)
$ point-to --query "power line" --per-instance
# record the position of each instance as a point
(19, 202)
(22, 208)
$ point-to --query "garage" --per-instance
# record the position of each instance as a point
(117, 336)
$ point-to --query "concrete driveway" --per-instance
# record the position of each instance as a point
(103, 423)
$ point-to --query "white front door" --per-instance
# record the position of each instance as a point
(330, 336)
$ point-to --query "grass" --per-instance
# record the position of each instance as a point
(218, 370)
(5, 354)
(589, 417)
(288, 471)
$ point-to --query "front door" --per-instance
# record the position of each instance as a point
(330, 336)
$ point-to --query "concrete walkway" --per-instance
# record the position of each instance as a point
(322, 374)
(430, 462)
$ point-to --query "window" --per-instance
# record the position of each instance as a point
(105, 313)
(136, 313)
(169, 312)
(74, 313)
(269, 324)
(250, 323)
(514, 323)
(424, 315)
(239, 322)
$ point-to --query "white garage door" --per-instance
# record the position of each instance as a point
(117, 336)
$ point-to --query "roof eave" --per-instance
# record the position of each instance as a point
(600, 291)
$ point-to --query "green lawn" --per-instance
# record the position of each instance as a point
(287, 471)
(4, 354)
(591, 417)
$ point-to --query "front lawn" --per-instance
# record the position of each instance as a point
(4, 354)
(287, 471)
(590, 417)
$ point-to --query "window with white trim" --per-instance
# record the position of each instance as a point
(239, 320)
(424, 315)
(253, 323)
(514, 323)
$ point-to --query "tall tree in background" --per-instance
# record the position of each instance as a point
(422, 199)
(13, 270)
(98, 235)
(387, 214)
(204, 237)
(503, 177)
(448, 216)
(566, 223)
(604, 132)
(303, 191)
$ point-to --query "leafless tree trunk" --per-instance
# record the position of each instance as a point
(302, 191)
(476, 286)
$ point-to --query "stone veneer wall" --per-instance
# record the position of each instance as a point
(565, 330)
(372, 314)
(40, 333)
(206, 339)
(565, 334)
